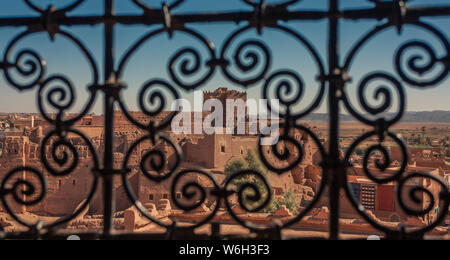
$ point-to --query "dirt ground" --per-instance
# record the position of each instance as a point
(349, 131)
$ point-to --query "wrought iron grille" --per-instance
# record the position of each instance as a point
(333, 78)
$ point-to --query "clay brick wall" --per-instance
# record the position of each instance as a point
(211, 152)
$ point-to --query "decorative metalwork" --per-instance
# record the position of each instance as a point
(253, 60)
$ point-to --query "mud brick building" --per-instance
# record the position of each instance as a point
(210, 152)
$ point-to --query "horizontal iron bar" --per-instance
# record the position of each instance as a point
(119, 235)
(411, 12)
(158, 18)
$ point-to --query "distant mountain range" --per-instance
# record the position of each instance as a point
(409, 117)
(437, 116)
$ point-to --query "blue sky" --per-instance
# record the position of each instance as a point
(151, 60)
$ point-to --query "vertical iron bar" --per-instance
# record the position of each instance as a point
(108, 181)
(333, 106)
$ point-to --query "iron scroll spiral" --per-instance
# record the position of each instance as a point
(285, 88)
(260, 195)
(288, 154)
(157, 101)
(384, 164)
(413, 63)
(21, 190)
(413, 196)
(155, 159)
(192, 188)
(32, 68)
(430, 58)
(246, 59)
(188, 67)
(382, 93)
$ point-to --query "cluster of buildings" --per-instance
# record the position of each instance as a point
(21, 146)
(382, 199)
(210, 152)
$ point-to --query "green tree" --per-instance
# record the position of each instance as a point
(239, 165)
(289, 199)
(273, 206)
(235, 166)
(254, 163)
